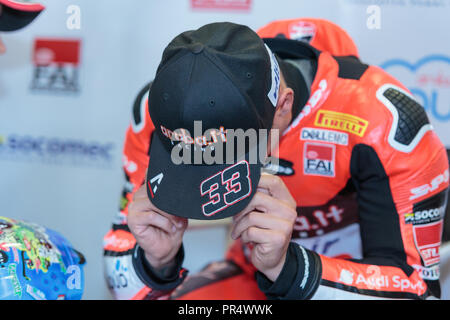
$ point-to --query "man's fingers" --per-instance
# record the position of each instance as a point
(276, 188)
(265, 203)
(141, 203)
(142, 208)
(177, 221)
(154, 219)
(260, 236)
(260, 220)
(141, 193)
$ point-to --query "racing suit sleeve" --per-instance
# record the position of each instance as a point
(127, 272)
(402, 187)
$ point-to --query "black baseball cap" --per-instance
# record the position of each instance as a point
(16, 14)
(223, 76)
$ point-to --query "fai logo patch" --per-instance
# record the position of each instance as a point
(324, 136)
(341, 121)
(319, 159)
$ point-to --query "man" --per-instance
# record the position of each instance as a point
(36, 263)
(356, 212)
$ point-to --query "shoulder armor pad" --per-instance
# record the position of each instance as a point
(350, 67)
(140, 108)
(410, 121)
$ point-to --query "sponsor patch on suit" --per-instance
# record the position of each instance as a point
(319, 159)
(322, 135)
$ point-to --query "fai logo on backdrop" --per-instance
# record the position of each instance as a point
(319, 159)
(56, 63)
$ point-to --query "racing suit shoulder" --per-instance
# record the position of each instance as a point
(399, 168)
(390, 120)
(322, 34)
(382, 112)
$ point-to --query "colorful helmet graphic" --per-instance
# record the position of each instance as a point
(37, 263)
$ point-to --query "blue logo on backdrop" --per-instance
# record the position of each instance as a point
(55, 150)
(428, 79)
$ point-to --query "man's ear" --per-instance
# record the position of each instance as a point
(284, 104)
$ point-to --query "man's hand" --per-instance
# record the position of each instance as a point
(267, 224)
(159, 234)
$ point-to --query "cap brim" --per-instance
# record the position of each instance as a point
(23, 6)
(15, 16)
(203, 192)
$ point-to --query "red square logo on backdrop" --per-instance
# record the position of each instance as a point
(243, 5)
(47, 51)
(56, 63)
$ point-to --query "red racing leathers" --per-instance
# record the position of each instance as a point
(370, 178)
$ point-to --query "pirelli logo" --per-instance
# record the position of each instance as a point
(341, 121)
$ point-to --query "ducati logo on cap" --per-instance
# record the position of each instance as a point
(154, 183)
